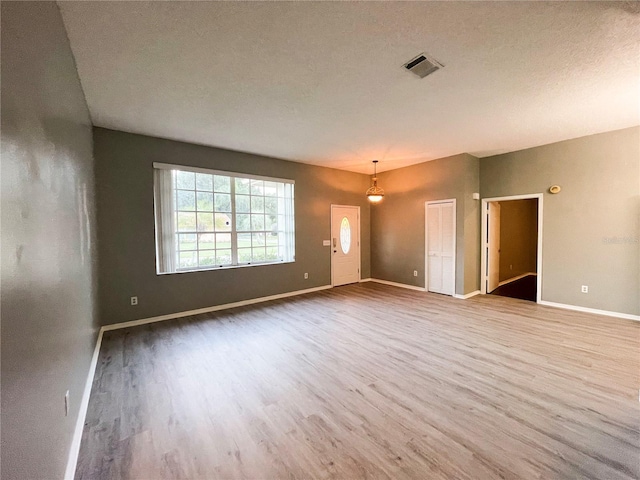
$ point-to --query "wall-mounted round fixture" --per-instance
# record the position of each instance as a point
(554, 189)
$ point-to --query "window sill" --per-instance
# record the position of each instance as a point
(227, 267)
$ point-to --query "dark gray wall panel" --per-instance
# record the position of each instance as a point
(48, 241)
(124, 175)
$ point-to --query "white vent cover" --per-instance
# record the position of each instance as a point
(423, 65)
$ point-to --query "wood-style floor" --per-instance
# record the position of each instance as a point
(368, 381)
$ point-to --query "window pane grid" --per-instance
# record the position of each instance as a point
(205, 233)
(210, 202)
(258, 204)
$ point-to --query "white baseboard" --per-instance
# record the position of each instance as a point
(72, 461)
(365, 280)
(418, 289)
(396, 284)
(225, 306)
(608, 313)
(513, 279)
(468, 295)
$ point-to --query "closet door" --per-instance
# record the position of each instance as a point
(441, 247)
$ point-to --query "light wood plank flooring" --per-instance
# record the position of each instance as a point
(368, 381)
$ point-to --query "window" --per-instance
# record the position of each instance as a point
(208, 219)
(345, 235)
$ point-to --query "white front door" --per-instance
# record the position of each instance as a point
(345, 245)
(493, 247)
(441, 246)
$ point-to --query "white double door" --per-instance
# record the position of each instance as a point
(441, 246)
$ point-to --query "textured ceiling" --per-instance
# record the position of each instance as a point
(323, 83)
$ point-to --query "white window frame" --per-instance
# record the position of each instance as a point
(166, 232)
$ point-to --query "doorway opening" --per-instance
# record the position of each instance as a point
(512, 246)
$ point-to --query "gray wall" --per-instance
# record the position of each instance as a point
(48, 241)
(518, 237)
(591, 228)
(124, 176)
(397, 224)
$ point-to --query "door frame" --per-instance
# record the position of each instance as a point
(426, 241)
(484, 216)
(357, 242)
(493, 209)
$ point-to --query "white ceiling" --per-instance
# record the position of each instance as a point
(323, 83)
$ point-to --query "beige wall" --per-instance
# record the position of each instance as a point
(591, 228)
(124, 172)
(48, 241)
(518, 237)
(397, 224)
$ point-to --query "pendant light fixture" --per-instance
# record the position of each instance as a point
(375, 193)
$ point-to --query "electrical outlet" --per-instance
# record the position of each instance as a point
(66, 404)
(306, 276)
(510, 267)
(585, 289)
(415, 273)
(134, 300)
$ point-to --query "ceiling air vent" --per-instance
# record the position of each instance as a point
(423, 65)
